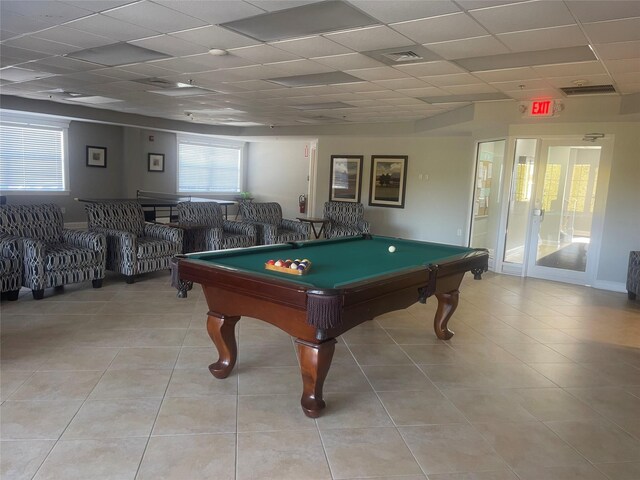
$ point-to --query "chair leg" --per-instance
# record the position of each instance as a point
(631, 295)
(12, 295)
(38, 294)
(97, 283)
(130, 279)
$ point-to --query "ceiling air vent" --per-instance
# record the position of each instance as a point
(407, 56)
(588, 90)
(157, 82)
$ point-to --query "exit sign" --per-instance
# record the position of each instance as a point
(541, 108)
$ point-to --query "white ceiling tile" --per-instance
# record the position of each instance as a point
(6, 34)
(453, 79)
(215, 37)
(154, 16)
(370, 38)
(311, 47)
(533, 94)
(544, 39)
(468, 47)
(468, 89)
(398, 83)
(623, 66)
(521, 85)
(613, 30)
(70, 64)
(170, 45)
(629, 88)
(349, 60)
(358, 87)
(524, 16)
(214, 62)
(582, 68)
(255, 72)
(147, 69)
(627, 77)
(475, 4)
(99, 5)
(389, 12)
(111, 28)
(422, 92)
(70, 36)
(507, 74)
(20, 53)
(179, 65)
(256, 85)
(441, 29)
(215, 12)
(45, 11)
(118, 73)
(380, 94)
(263, 54)
(17, 23)
(595, 11)
(45, 46)
(301, 67)
(430, 68)
(617, 51)
(275, 5)
(571, 80)
(379, 73)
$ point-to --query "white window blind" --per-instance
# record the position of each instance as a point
(208, 168)
(32, 158)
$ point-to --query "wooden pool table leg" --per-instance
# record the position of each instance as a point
(447, 304)
(221, 329)
(315, 360)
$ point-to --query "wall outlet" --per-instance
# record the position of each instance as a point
(459, 232)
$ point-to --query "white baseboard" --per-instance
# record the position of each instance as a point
(611, 286)
(76, 225)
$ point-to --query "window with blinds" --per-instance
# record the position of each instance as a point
(32, 158)
(208, 167)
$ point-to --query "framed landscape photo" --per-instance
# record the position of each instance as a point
(346, 178)
(96, 156)
(388, 180)
(156, 162)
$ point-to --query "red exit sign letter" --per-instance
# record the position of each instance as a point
(541, 108)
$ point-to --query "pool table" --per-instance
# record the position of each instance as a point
(351, 280)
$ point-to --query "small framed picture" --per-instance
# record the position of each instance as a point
(96, 156)
(156, 162)
(388, 180)
(346, 178)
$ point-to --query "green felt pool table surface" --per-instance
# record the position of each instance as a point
(338, 262)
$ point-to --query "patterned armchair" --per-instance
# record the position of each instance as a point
(209, 230)
(53, 256)
(133, 245)
(633, 275)
(271, 227)
(345, 219)
(10, 266)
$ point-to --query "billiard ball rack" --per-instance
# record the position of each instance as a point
(288, 270)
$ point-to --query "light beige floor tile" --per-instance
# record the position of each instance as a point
(367, 336)
(620, 471)
(553, 404)
(198, 382)
(353, 410)
(272, 380)
(495, 405)
(36, 419)
(432, 354)
(196, 357)
(120, 418)
(397, 378)
(251, 356)
(513, 375)
(619, 374)
(19, 460)
(282, 455)
(456, 376)
(379, 354)
(479, 353)
(162, 337)
(549, 336)
(411, 336)
(23, 358)
(504, 474)
(269, 335)
(592, 353)
(190, 415)
(342, 356)
(131, 384)
(197, 335)
(367, 452)
(574, 472)
(80, 358)
(258, 413)
(571, 375)
(145, 358)
(146, 304)
(535, 353)
(190, 457)
(526, 445)
(599, 440)
(614, 403)
(450, 448)
(72, 385)
(420, 408)
(10, 381)
(346, 378)
(112, 459)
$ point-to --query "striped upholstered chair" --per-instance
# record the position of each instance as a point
(10, 266)
(133, 245)
(53, 256)
(633, 275)
(206, 229)
(271, 227)
(345, 219)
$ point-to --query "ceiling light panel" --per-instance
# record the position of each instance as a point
(614, 30)
(17, 74)
(539, 57)
(330, 78)
(321, 17)
(370, 38)
(170, 45)
(117, 54)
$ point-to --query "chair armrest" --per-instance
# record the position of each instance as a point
(11, 246)
(240, 228)
(163, 232)
(364, 226)
(295, 225)
(82, 238)
(33, 263)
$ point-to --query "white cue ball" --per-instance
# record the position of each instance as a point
(392, 249)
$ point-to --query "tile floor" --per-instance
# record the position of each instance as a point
(540, 382)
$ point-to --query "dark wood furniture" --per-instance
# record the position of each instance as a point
(352, 280)
(313, 221)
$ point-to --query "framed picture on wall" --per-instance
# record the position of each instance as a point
(96, 156)
(156, 162)
(346, 178)
(388, 180)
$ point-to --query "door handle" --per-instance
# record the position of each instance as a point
(539, 212)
